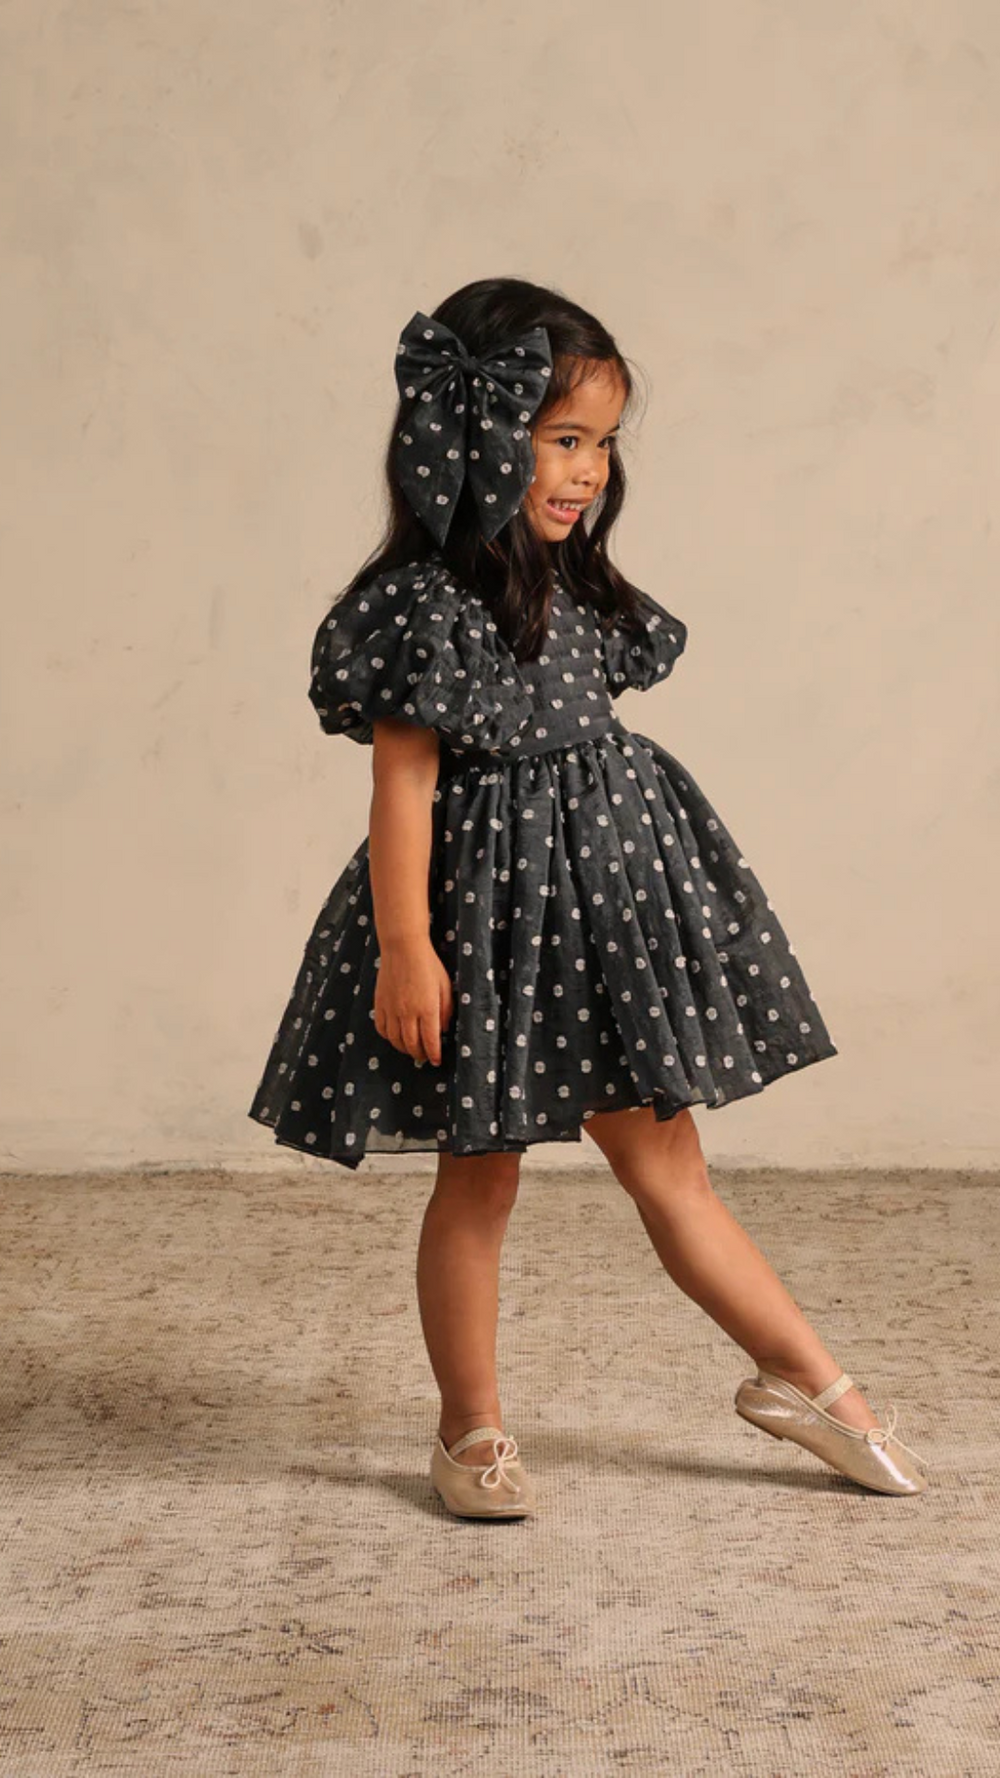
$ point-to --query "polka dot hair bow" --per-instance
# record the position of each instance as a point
(467, 417)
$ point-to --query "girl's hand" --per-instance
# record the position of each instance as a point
(413, 1000)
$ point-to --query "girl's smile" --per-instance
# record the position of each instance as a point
(567, 510)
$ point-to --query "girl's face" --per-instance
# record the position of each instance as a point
(572, 444)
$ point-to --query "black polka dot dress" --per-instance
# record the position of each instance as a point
(608, 944)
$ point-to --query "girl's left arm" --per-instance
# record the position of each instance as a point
(404, 771)
(413, 992)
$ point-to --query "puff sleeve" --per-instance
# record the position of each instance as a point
(639, 659)
(411, 644)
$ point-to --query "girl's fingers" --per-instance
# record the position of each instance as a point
(445, 1004)
(419, 1037)
(430, 1032)
(412, 1042)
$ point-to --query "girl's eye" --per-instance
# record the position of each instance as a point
(571, 438)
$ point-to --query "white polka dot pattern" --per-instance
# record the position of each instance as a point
(607, 941)
(413, 645)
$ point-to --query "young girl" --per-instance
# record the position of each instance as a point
(548, 929)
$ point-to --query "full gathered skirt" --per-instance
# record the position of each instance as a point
(608, 946)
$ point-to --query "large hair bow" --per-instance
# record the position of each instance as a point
(467, 416)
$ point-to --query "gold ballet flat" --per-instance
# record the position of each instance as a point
(874, 1457)
(498, 1490)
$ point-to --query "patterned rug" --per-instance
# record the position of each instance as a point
(221, 1553)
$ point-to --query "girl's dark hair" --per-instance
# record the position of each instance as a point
(514, 573)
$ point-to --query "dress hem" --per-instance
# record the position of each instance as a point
(418, 1145)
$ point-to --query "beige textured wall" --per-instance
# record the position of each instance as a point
(216, 220)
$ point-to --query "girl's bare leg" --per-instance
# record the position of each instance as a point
(710, 1255)
(458, 1266)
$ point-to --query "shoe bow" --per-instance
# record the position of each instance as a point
(880, 1435)
(504, 1451)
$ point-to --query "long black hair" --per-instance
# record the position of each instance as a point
(514, 573)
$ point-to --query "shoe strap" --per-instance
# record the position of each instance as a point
(473, 1438)
(875, 1435)
(832, 1391)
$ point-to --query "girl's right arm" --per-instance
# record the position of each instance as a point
(413, 992)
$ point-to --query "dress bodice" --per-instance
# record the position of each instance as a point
(413, 644)
(567, 684)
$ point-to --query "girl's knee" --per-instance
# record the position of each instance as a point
(638, 1128)
(647, 1153)
(484, 1182)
